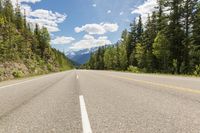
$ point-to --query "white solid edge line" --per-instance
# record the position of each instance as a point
(85, 120)
(26, 81)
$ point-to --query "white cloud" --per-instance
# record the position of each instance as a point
(89, 42)
(14, 2)
(30, 1)
(62, 40)
(46, 18)
(94, 5)
(109, 11)
(121, 13)
(146, 8)
(98, 29)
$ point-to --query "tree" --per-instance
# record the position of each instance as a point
(139, 29)
(131, 46)
(195, 47)
(110, 58)
(44, 42)
(176, 34)
(1, 7)
(8, 11)
(123, 61)
(148, 39)
(188, 9)
(18, 18)
(140, 55)
(161, 51)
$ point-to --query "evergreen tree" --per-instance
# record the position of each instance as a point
(131, 46)
(195, 48)
(161, 51)
(139, 30)
(8, 11)
(18, 18)
(176, 34)
(139, 55)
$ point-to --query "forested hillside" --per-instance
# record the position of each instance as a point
(25, 50)
(168, 42)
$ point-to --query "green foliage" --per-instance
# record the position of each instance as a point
(17, 74)
(139, 55)
(110, 58)
(1, 71)
(161, 50)
(134, 69)
(197, 70)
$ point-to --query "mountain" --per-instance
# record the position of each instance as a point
(81, 56)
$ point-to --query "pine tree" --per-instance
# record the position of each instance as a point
(131, 46)
(148, 39)
(139, 30)
(140, 55)
(176, 34)
(195, 48)
(188, 9)
(18, 18)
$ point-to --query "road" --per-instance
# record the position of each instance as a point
(100, 102)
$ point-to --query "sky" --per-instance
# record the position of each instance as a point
(84, 24)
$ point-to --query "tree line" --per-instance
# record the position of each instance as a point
(168, 42)
(23, 42)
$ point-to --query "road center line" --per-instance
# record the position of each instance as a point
(85, 120)
(183, 89)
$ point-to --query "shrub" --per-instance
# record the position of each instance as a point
(197, 70)
(1, 71)
(134, 69)
(17, 74)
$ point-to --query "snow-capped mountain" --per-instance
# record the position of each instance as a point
(81, 56)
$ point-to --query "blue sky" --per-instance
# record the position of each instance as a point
(80, 24)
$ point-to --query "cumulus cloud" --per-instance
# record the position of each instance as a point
(46, 18)
(21, 2)
(89, 42)
(62, 40)
(109, 11)
(94, 5)
(98, 29)
(30, 1)
(146, 8)
(121, 13)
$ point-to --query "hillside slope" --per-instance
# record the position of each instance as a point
(25, 51)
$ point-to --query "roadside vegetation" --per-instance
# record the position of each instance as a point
(25, 48)
(168, 42)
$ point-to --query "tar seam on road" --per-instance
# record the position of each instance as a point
(159, 84)
(85, 120)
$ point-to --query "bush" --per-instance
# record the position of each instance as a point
(134, 69)
(1, 71)
(197, 70)
(17, 74)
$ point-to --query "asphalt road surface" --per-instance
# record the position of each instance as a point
(100, 102)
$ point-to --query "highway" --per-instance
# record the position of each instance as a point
(87, 101)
